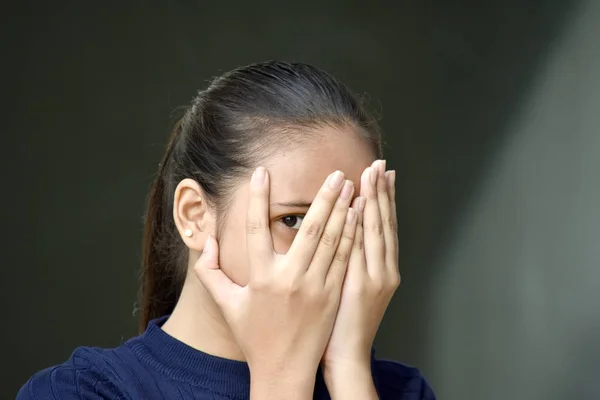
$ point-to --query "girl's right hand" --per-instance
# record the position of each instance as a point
(283, 318)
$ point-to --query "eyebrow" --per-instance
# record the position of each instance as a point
(294, 204)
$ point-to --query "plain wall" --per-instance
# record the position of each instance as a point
(491, 116)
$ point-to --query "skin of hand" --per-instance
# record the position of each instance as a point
(371, 279)
(283, 318)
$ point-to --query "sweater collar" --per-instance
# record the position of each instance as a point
(225, 377)
(169, 356)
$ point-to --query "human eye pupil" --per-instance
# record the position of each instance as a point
(290, 220)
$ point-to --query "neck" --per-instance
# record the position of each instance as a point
(198, 322)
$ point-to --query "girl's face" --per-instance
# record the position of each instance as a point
(296, 176)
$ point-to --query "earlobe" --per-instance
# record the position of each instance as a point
(191, 214)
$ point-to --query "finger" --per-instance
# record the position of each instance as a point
(389, 224)
(359, 205)
(384, 202)
(307, 239)
(258, 235)
(372, 225)
(390, 178)
(220, 287)
(332, 234)
(357, 263)
(337, 271)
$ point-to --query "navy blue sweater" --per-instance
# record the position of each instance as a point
(155, 365)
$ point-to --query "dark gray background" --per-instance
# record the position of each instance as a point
(492, 115)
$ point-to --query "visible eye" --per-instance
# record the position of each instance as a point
(293, 221)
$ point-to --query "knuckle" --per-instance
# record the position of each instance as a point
(391, 223)
(348, 234)
(292, 287)
(313, 229)
(342, 256)
(379, 229)
(359, 243)
(329, 239)
(376, 228)
(253, 226)
(312, 293)
(309, 293)
(377, 287)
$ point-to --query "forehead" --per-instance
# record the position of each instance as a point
(298, 173)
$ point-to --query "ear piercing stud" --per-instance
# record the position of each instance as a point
(188, 233)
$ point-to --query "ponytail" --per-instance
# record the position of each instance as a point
(241, 119)
(161, 280)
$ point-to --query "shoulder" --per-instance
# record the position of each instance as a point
(89, 373)
(395, 380)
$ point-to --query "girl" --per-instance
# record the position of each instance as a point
(270, 255)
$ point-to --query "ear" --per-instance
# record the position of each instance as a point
(192, 214)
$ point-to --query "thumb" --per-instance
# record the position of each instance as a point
(220, 287)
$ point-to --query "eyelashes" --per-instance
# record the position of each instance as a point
(292, 222)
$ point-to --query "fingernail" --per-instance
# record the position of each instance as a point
(336, 179)
(347, 190)
(360, 204)
(391, 178)
(373, 175)
(208, 245)
(351, 216)
(258, 177)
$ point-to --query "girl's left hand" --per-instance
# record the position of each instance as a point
(372, 276)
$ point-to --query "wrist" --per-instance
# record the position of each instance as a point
(287, 383)
(345, 369)
(352, 379)
(353, 362)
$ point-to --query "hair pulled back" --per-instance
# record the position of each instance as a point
(241, 118)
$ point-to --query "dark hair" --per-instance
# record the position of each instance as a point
(240, 119)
